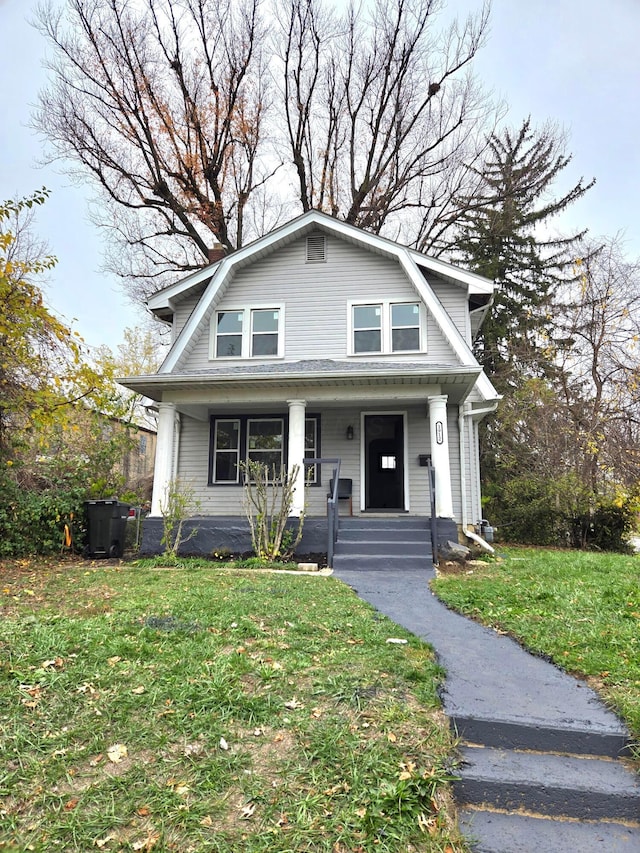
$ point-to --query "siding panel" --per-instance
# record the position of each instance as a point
(315, 296)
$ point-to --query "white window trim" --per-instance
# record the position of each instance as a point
(386, 329)
(247, 331)
(216, 450)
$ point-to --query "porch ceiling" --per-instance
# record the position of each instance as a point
(319, 382)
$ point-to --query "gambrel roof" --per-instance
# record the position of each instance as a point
(216, 277)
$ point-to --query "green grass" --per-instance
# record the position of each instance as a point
(213, 710)
(580, 609)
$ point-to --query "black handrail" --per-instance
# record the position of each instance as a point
(333, 516)
(434, 518)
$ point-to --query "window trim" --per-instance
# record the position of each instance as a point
(247, 331)
(243, 421)
(386, 328)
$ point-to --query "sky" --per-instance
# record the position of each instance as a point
(575, 62)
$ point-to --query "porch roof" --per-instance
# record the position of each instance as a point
(319, 380)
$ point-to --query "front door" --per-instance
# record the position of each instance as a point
(384, 462)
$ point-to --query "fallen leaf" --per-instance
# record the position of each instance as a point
(147, 843)
(293, 704)
(102, 842)
(207, 820)
(143, 811)
(117, 752)
(248, 811)
(361, 812)
(139, 690)
(391, 737)
(71, 804)
(114, 660)
(95, 761)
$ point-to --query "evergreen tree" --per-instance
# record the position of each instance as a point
(505, 237)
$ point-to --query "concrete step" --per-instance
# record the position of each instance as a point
(381, 562)
(610, 742)
(391, 535)
(495, 832)
(400, 548)
(383, 523)
(548, 784)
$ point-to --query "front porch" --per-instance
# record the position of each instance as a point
(391, 536)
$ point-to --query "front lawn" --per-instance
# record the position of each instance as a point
(580, 609)
(213, 710)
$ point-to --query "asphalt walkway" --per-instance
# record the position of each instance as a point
(498, 694)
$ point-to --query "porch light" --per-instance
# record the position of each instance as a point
(349, 433)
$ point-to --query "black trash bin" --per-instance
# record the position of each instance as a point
(106, 528)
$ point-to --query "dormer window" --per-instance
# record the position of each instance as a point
(253, 332)
(316, 249)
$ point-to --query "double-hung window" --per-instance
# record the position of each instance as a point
(226, 451)
(262, 440)
(386, 327)
(265, 442)
(253, 332)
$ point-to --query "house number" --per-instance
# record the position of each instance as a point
(439, 433)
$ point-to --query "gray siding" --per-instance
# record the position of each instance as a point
(315, 296)
(454, 301)
(193, 461)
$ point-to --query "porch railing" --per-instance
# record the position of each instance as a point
(333, 517)
(431, 472)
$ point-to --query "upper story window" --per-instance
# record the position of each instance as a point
(387, 327)
(249, 333)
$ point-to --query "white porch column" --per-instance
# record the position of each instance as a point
(297, 410)
(440, 454)
(164, 466)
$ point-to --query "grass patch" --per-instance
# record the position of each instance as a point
(580, 609)
(214, 711)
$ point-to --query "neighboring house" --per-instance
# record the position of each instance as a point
(138, 462)
(322, 340)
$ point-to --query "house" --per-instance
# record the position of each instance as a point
(321, 340)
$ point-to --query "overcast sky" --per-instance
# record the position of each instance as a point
(573, 61)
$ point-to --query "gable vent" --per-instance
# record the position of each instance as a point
(316, 248)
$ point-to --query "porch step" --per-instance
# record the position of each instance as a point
(382, 543)
(519, 833)
(589, 788)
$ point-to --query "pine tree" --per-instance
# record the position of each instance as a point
(505, 237)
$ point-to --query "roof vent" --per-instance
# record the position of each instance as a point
(316, 248)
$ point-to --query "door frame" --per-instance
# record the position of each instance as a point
(363, 454)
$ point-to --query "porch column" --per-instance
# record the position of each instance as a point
(164, 467)
(440, 454)
(297, 410)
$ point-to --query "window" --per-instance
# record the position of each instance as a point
(264, 332)
(229, 334)
(405, 327)
(387, 327)
(249, 333)
(261, 440)
(367, 328)
(226, 451)
(311, 448)
(265, 442)
(142, 444)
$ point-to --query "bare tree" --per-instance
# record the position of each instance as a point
(162, 105)
(598, 339)
(181, 112)
(383, 119)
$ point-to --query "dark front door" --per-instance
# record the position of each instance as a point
(384, 465)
